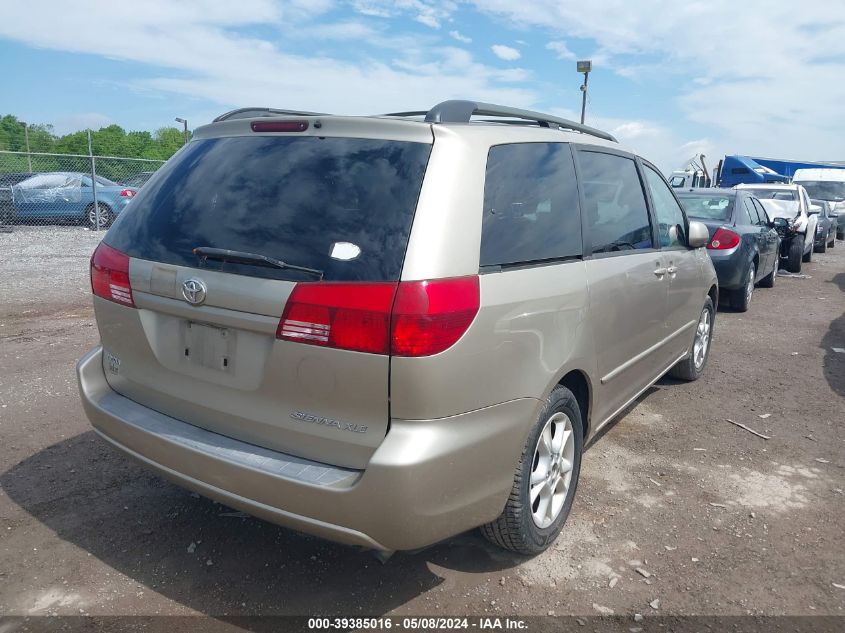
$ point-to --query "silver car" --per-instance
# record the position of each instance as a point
(389, 330)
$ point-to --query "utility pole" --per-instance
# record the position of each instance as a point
(97, 220)
(584, 66)
(26, 137)
(184, 122)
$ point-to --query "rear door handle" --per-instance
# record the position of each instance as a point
(659, 271)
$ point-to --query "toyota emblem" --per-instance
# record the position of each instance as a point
(193, 290)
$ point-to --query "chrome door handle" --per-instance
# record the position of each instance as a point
(659, 271)
(672, 270)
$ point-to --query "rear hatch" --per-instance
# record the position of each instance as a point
(197, 331)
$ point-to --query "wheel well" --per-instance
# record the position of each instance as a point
(576, 381)
(713, 293)
(99, 202)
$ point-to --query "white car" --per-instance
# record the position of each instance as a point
(789, 205)
(826, 184)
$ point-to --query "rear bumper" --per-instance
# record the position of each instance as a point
(731, 269)
(429, 479)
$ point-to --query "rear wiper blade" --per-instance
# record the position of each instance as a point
(241, 257)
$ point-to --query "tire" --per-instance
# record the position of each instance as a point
(808, 256)
(769, 280)
(821, 248)
(517, 529)
(688, 369)
(795, 256)
(741, 298)
(106, 216)
(832, 241)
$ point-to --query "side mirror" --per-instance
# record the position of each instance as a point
(814, 210)
(699, 236)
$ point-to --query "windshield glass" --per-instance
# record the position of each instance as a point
(825, 189)
(774, 194)
(707, 207)
(339, 205)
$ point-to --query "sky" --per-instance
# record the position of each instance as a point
(670, 79)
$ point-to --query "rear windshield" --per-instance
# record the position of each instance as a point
(708, 207)
(343, 206)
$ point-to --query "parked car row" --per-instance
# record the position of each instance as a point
(53, 197)
(757, 228)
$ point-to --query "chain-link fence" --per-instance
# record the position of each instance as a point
(47, 189)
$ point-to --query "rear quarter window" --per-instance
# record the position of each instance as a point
(294, 199)
(531, 211)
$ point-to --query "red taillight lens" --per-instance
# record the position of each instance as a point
(411, 318)
(279, 126)
(430, 316)
(353, 316)
(723, 239)
(128, 193)
(110, 275)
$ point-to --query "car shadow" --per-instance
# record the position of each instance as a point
(210, 558)
(834, 362)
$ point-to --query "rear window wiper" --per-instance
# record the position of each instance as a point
(241, 257)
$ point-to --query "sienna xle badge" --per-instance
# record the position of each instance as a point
(388, 330)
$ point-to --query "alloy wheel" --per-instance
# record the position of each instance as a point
(749, 286)
(702, 339)
(551, 471)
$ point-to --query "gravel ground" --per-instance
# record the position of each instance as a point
(678, 511)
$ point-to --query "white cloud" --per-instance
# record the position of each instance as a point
(196, 53)
(507, 53)
(428, 19)
(561, 50)
(764, 82)
(456, 35)
(428, 12)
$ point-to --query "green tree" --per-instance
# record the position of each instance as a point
(111, 140)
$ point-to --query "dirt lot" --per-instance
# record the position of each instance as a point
(719, 520)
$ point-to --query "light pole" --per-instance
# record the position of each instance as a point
(26, 137)
(184, 122)
(584, 66)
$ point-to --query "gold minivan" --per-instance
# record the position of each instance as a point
(388, 330)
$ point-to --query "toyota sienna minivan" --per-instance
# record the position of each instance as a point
(388, 330)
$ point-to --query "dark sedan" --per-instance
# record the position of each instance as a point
(826, 227)
(744, 244)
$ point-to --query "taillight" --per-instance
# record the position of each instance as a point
(430, 316)
(723, 239)
(110, 275)
(128, 193)
(411, 318)
(353, 316)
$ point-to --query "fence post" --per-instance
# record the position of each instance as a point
(94, 184)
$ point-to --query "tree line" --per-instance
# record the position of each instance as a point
(112, 140)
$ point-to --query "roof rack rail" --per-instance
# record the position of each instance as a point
(247, 113)
(459, 111)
